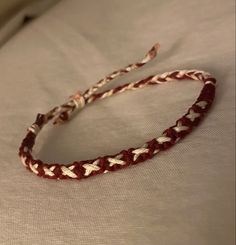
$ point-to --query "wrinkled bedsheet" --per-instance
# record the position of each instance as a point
(184, 196)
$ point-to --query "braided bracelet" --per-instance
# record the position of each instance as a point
(86, 168)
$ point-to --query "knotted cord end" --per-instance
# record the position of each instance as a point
(151, 53)
(76, 102)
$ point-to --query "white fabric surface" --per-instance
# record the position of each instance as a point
(184, 196)
(13, 14)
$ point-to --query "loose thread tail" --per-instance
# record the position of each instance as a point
(77, 100)
(151, 54)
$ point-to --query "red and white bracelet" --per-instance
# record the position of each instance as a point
(86, 168)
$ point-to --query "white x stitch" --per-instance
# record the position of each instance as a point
(180, 127)
(116, 160)
(90, 167)
(67, 171)
(48, 171)
(193, 115)
(138, 152)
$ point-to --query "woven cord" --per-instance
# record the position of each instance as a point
(104, 164)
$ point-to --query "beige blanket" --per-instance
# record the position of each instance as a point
(15, 13)
(184, 196)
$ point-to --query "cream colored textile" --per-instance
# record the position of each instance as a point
(10, 6)
(14, 12)
(184, 196)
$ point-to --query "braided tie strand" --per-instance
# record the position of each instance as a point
(86, 168)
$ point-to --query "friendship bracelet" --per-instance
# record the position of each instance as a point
(86, 168)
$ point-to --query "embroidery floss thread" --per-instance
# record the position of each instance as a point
(84, 169)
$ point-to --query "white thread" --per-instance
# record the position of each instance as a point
(146, 59)
(130, 86)
(159, 82)
(80, 102)
(34, 128)
(67, 171)
(56, 111)
(200, 76)
(180, 127)
(52, 168)
(23, 160)
(129, 68)
(34, 168)
(114, 161)
(193, 115)
(142, 85)
(181, 73)
(138, 152)
(103, 82)
(156, 151)
(164, 75)
(90, 167)
(48, 171)
(193, 76)
(155, 79)
(163, 139)
(168, 79)
(116, 73)
(202, 104)
(90, 100)
(189, 71)
(107, 94)
(77, 104)
(123, 90)
(210, 82)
